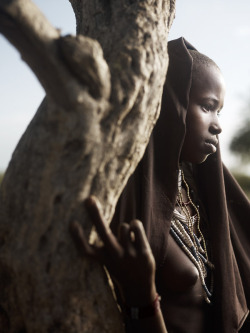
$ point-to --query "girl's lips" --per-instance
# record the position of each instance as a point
(211, 146)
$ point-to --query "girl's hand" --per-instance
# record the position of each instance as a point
(128, 257)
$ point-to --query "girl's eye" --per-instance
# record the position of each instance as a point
(210, 108)
(207, 107)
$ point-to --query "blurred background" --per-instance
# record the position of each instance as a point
(218, 28)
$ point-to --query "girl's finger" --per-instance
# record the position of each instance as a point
(80, 241)
(84, 248)
(110, 242)
(124, 236)
(140, 242)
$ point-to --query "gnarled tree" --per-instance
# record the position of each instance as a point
(103, 92)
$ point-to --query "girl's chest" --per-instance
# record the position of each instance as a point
(178, 274)
(179, 285)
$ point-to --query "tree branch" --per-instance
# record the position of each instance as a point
(40, 46)
(136, 51)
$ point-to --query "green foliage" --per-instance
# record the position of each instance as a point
(1, 176)
(240, 144)
(244, 182)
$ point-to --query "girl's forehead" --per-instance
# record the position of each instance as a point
(207, 76)
(208, 81)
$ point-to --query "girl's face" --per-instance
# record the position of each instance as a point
(202, 123)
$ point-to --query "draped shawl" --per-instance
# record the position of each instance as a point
(150, 196)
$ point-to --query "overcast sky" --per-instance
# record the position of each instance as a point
(217, 28)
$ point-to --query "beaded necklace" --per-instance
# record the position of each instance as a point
(182, 229)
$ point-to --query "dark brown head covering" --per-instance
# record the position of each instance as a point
(151, 191)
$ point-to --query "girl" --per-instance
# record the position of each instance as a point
(195, 249)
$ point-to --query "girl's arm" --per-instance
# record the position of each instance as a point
(131, 264)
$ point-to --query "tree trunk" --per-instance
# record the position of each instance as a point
(102, 101)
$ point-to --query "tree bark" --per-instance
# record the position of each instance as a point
(103, 92)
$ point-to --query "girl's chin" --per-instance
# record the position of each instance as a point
(195, 160)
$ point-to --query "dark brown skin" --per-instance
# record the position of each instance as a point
(130, 260)
(206, 100)
(182, 298)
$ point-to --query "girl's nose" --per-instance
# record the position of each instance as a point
(215, 127)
